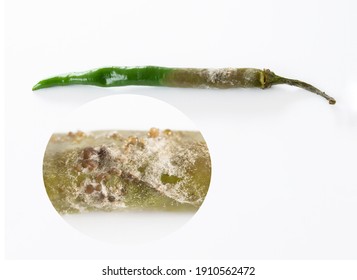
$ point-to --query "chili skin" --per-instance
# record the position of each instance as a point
(222, 78)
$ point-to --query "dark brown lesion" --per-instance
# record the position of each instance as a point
(111, 198)
(89, 189)
(103, 156)
(88, 152)
(93, 159)
(88, 159)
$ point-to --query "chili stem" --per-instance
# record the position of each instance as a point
(307, 87)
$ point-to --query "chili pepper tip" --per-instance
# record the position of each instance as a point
(36, 87)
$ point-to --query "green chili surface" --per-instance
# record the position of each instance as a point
(222, 78)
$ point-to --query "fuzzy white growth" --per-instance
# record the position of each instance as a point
(115, 77)
(222, 75)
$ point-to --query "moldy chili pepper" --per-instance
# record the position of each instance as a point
(163, 170)
(223, 78)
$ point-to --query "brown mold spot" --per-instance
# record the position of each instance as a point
(103, 153)
(88, 152)
(132, 140)
(129, 177)
(90, 164)
(168, 132)
(89, 189)
(153, 132)
(100, 176)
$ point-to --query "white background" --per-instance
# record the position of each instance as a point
(284, 160)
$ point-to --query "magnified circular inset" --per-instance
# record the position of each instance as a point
(127, 168)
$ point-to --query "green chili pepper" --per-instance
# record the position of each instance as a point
(178, 77)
